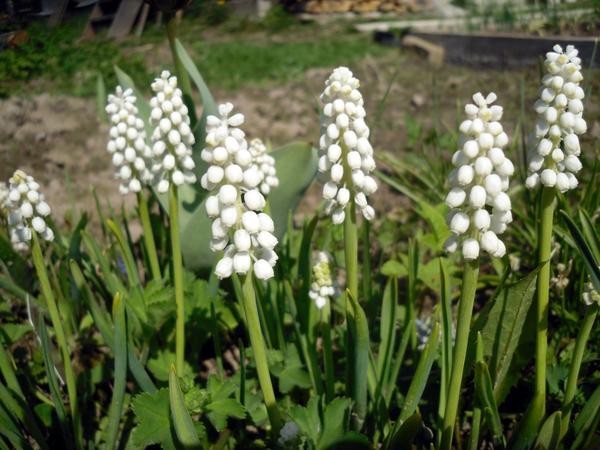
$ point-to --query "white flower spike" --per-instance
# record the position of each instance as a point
(480, 207)
(265, 164)
(554, 161)
(131, 155)
(26, 211)
(346, 156)
(240, 228)
(172, 138)
(321, 289)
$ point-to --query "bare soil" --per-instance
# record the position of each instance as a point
(59, 137)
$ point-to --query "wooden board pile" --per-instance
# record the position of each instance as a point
(362, 6)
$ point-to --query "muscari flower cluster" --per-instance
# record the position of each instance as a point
(172, 138)
(265, 165)
(346, 156)
(554, 160)
(479, 181)
(127, 142)
(26, 211)
(321, 289)
(240, 228)
(590, 294)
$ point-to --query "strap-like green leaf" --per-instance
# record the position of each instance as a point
(180, 417)
(591, 263)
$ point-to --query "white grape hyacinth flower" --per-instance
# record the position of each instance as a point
(265, 164)
(480, 206)
(240, 228)
(127, 145)
(346, 156)
(26, 211)
(321, 289)
(172, 138)
(554, 160)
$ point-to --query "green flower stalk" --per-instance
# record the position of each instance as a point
(27, 214)
(553, 164)
(132, 158)
(172, 167)
(242, 232)
(345, 164)
(592, 300)
(478, 182)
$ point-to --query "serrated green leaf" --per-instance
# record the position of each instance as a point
(335, 421)
(153, 419)
(218, 411)
(308, 420)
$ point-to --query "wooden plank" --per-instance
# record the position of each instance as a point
(124, 18)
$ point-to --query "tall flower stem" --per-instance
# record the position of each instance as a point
(148, 236)
(260, 355)
(582, 338)
(57, 324)
(465, 312)
(327, 350)
(177, 278)
(351, 250)
(543, 291)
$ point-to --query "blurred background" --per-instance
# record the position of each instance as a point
(418, 61)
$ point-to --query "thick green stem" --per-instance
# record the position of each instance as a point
(351, 250)
(465, 312)
(260, 354)
(327, 350)
(57, 324)
(177, 278)
(148, 237)
(543, 291)
(582, 338)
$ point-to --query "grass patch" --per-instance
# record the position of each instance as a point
(238, 62)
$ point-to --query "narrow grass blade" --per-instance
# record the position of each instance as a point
(180, 417)
(100, 97)
(53, 382)
(588, 256)
(485, 394)
(132, 273)
(446, 351)
(120, 347)
(359, 366)
(20, 410)
(419, 381)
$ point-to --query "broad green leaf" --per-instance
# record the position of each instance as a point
(404, 433)
(291, 371)
(153, 422)
(501, 323)
(549, 435)
(350, 440)
(180, 417)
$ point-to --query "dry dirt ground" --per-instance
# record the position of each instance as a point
(55, 137)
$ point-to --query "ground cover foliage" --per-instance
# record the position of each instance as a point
(90, 321)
